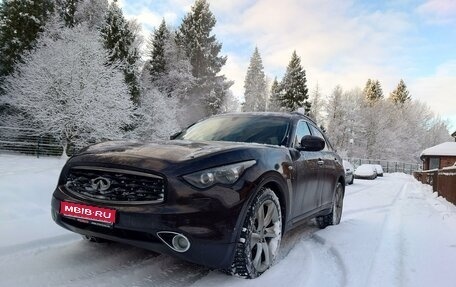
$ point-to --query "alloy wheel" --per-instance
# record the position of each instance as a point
(266, 235)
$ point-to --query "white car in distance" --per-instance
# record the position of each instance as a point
(379, 169)
(349, 172)
(366, 171)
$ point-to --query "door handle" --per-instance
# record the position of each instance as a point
(320, 161)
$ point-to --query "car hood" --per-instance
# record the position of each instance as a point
(173, 151)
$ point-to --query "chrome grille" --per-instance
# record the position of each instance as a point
(105, 184)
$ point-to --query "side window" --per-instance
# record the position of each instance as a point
(302, 129)
(434, 162)
(317, 133)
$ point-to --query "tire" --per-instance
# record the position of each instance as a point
(259, 242)
(352, 180)
(334, 217)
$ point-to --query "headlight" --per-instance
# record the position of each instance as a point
(227, 174)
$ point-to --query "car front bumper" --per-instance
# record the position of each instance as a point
(211, 228)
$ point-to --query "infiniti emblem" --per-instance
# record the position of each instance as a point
(101, 184)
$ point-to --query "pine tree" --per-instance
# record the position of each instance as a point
(67, 10)
(255, 85)
(294, 87)
(274, 100)
(372, 91)
(169, 72)
(168, 68)
(157, 50)
(20, 23)
(373, 106)
(202, 48)
(119, 39)
(400, 95)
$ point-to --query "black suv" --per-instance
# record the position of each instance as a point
(221, 193)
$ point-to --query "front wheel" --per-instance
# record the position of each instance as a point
(260, 238)
(334, 217)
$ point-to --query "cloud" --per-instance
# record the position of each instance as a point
(235, 69)
(438, 90)
(150, 14)
(438, 11)
(339, 43)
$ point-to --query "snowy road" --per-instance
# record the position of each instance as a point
(394, 232)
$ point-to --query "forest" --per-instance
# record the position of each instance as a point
(80, 71)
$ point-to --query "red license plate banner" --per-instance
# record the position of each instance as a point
(87, 212)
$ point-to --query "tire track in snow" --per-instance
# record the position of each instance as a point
(61, 265)
(153, 270)
(349, 192)
(80, 263)
(38, 245)
(172, 273)
(367, 209)
(295, 236)
(339, 266)
(321, 254)
(384, 257)
(296, 247)
(370, 208)
(84, 264)
(128, 262)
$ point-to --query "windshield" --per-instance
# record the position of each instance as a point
(239, 128)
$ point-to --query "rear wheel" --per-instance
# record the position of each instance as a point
(334, 217)
(260, 238)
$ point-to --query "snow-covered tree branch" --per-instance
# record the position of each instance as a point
(66, 88)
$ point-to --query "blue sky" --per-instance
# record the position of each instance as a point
(340, 42)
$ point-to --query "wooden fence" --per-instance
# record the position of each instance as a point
(443, 181)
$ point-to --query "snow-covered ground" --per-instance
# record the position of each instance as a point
(394, 232)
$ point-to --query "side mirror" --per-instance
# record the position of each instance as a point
(175, 135)
(312, 143)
